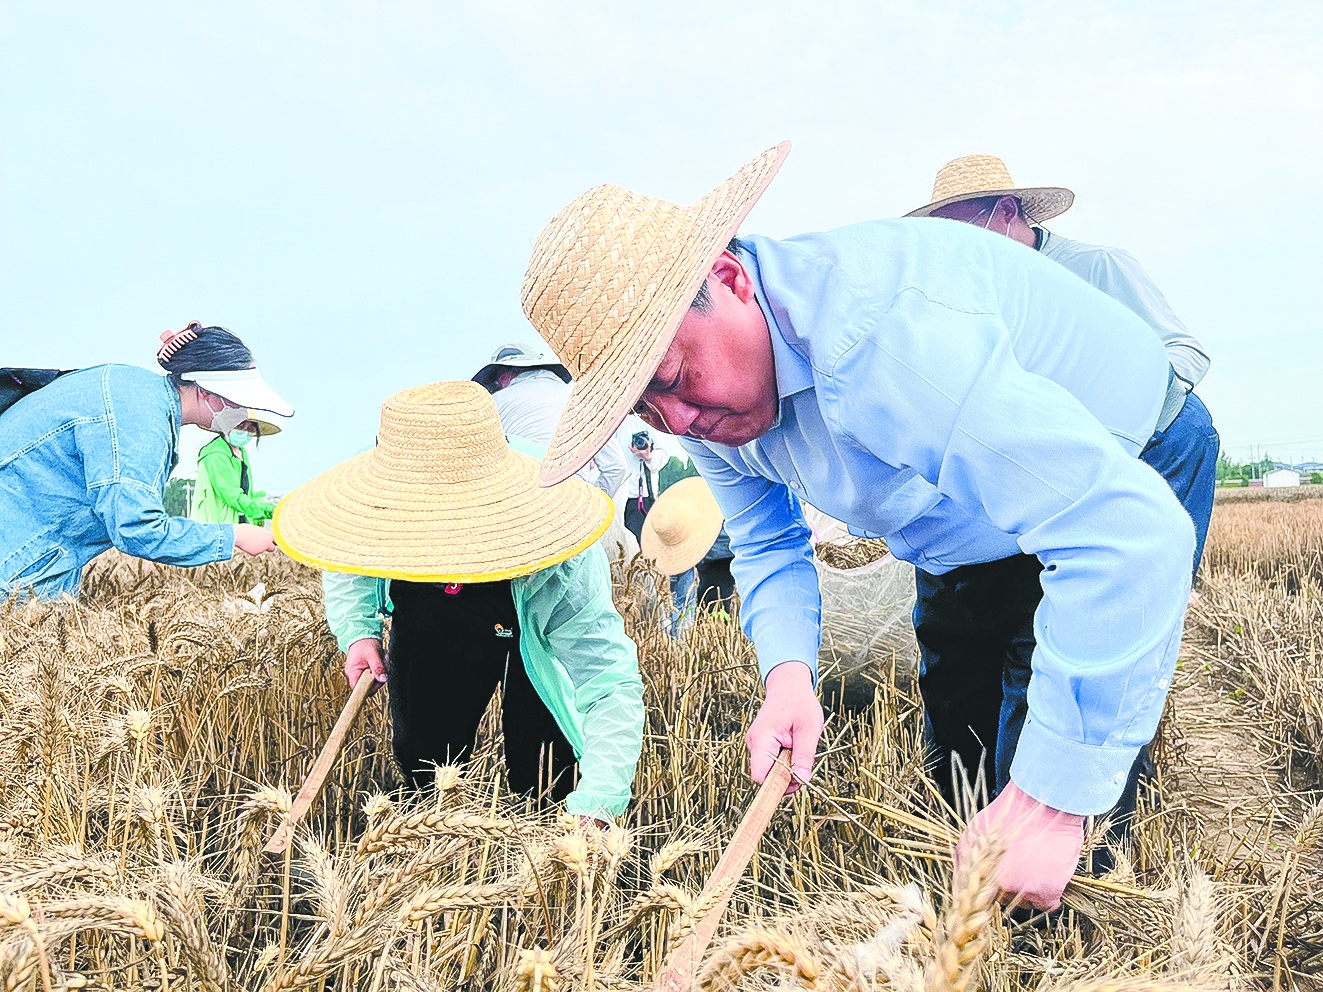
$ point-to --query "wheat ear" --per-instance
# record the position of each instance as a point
(961, 937)
(757, 950)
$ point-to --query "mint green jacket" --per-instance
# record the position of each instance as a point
(577, 655)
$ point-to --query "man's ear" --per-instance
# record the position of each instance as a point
(1007, 209)
(728, 271)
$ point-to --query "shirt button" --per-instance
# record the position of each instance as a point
(794, 484)
(1118, 778)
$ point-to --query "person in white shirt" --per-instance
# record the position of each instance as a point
(978, 190)
(530, 390)
(647, 458)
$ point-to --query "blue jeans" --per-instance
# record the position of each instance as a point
(1185, 454)
(975, 627)
(683, 587)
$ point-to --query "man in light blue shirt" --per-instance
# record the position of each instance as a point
(922, 381)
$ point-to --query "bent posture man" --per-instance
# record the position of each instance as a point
(978, 190)
(927, 382)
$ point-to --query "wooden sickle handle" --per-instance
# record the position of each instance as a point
(312, 785)
(682, 969)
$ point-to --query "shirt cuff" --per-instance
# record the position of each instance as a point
(363, 630)
(226, 540)
(1084, 779)
(787, 640)
(599, 807)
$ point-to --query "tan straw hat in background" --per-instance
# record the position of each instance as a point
(441, 498)
(681, 526)
(610, 278)
(972, 176)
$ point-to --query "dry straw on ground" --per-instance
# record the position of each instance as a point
(154, 732)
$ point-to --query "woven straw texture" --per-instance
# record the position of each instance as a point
(681, 526)
(441, 498)
(610, 278)
(973, 176)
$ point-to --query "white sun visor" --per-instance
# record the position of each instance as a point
(242, 387)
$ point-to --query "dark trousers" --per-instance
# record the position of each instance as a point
(975, 628)
(636, 513)
(445, 662)
(715, 583)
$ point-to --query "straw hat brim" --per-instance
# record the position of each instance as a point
(672, 559)
(604, 395)
(1040, 202)
(356, 518)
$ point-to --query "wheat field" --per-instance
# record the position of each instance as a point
(153, 735)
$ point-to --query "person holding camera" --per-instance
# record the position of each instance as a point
(641, 488)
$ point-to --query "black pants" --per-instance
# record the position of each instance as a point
(634, 516)
(975, 627)
(715, 583)
(450, 647)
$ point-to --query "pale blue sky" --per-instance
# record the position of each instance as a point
(353, 188)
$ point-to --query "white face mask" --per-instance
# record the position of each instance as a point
(227, 418)
(239, 438)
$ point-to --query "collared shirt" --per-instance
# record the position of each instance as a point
(1121, 277)
(83, 466)
(530, 406)
(956, 393)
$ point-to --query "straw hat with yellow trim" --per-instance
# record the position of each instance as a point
(265, 428)
(681, 526)
(610, 278)
(973, 176)
(441, 498)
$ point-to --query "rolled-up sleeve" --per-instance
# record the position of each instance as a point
(1114, 542)
(780, 604)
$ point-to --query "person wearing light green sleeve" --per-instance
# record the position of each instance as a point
(225, 493)
(494, 582)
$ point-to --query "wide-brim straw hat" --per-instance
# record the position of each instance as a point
(681, 526)
(610, 278)
(441, 498)
(517, 356)
(973, 176)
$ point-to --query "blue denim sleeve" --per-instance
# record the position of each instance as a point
(138, 525)
(780, 605)
(126, 459)
(1114, 542)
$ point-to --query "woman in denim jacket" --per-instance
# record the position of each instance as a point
(84, 462)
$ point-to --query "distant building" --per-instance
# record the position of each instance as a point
(1281, 477)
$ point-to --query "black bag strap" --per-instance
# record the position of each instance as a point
(17, 383)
